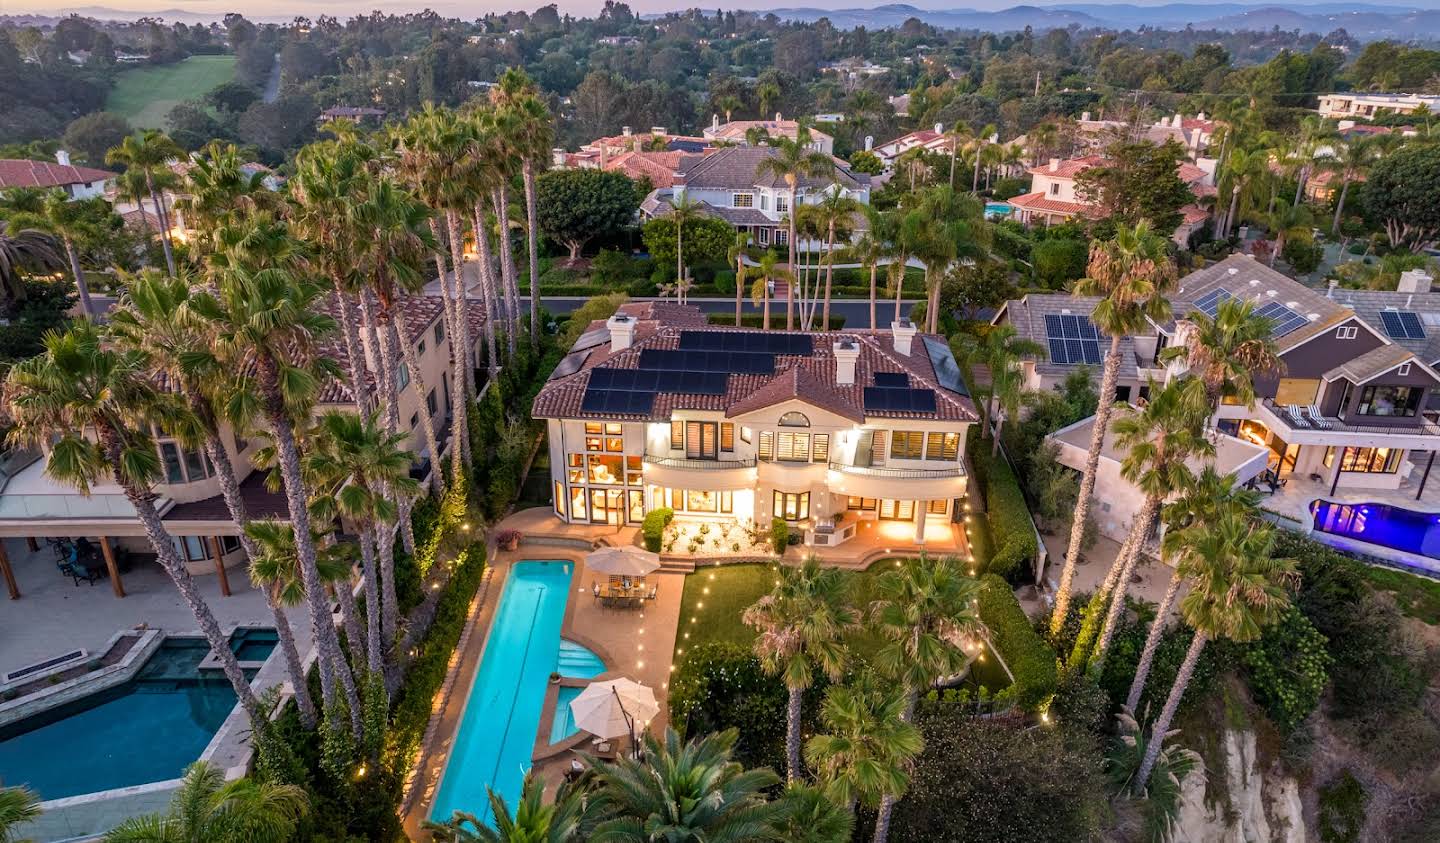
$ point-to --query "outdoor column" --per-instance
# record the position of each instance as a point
(920, 507)
(115, 584)
(8, 574)
(220, 565)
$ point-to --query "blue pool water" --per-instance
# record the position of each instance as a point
(145, 730)
(576, 662)
(1382, 524)
(253, 644)
(497, 732)
(563, 726)
(997, 209)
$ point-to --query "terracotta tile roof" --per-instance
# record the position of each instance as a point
(420, 313)
(1068, 169)
(810, 379)
(658, 167)
(737, 129)
(18, 172)
(1192, 214)
(1041, 202)
(1189, 173)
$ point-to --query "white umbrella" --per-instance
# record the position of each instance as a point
(614, 708)
(626, 561)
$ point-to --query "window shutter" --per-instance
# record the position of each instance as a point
(692, 440)
(677, 435)
(877, 448)
(822, 447)
(767, 445)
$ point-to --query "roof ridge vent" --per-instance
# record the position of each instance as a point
(1232, 271)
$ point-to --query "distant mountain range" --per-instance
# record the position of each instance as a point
(1361, 20)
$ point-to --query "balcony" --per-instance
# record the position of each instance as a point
(699, 465)
(1416, 433)
(681, 473)
(956, 470)
(898, 483)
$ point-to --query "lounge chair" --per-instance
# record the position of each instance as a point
(1296, 419)
(1317, 418)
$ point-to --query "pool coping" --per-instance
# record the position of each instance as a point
(86, 684)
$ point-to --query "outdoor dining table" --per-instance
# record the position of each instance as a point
(620, 591)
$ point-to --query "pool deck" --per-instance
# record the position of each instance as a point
(633, 643)
(1292, 504)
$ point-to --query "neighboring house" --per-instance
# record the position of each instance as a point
(598, 153)
(931, 139)
(32, 505)
(854, 69)
(655, 408)
(1349, 410)
(738, 132)
(901, 104)
(729, 184)
(1369, 105)
(359, 114)
(1053, 197)
(77, 182)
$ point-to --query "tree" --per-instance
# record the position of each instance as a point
(1059, 261)
(280, 125)
(813, 817)
(575, 206)
(866, 162)
(1228, 351)
(1130, 274)
(768, 273)
(89, 137)
(149, 153)
(869, 249)
(1286, 221)
(1139, 182)
(1241, 177)
(801, 625)
(534, 133)
(1350, 162)
(563, 821)
(23, 251)
(76, 225)
(1238, 586)
(736, 255)
(18, 805)
(79, 387)
(208, 809)
(866, 746)
(684, 791)
(794, 162)
(942, 227)
(1000, 348)
(1400, 193)
(1162, 793)
(233, 96)
(836, 215)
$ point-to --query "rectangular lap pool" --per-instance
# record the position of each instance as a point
(1377, 523)
(145, 730)
(496, 738)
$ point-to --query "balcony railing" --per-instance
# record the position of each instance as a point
(956, 470)
(700, 465)
(1416, 426)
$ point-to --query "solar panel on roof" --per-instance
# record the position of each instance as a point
(899, 379)
(1402, 325)
(696, 360)
(760, 342)
(1283, 319)
(891, 399)
(592, 338)
(947, 372)
(569, 365)
(1072, 339)
(1209, 303)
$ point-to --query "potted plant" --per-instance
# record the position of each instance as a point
(508, 539)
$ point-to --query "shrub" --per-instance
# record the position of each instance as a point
(777, 318)
(1342, 810)
(725, 282)
(1124, 655)
(653, 527)
(1029, 658)
(1288, 668)
(1303, 255)
(1011, 533)
(779, 536)
(1058, 261)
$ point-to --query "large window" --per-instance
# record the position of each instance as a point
(942, 446)
(1390, 401)
(794, 446)
(183, 465)
(701, 501)
(743, 200)
(792, 506)
(907, 444)
(1366, 460)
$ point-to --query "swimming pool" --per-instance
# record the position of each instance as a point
(1378, 523)
(997, 209)
(254, 644)
(576, 662)
(496, 738)
(145, 730)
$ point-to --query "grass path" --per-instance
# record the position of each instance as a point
(145, 95)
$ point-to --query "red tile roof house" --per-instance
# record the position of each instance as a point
(77, 182)
(1053, 198)
(654, 408)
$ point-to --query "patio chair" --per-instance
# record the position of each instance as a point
(595, 590)
(1317, 418)
(654, 591)
(77, 571)
(1293, 411)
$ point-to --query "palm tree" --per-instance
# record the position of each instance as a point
(768, 274)
(982, 139)
(944, 226)
(1351, 161)
(1158, 440)
(1286, 222)
(534, 134)
(1000, 348)
(504, 157)
(358, 466)
(1228, 351)
(1243, 172)
(960, 134)
(737, 254)
(813, 817)
(18, 805)
(683, 209)
(869, 249)
(926, 612)
(728, 103)
(266, 332)
(1163, 792)
(74, 225)
(563, 821)
(23, 250)
(208, 809)
(1131, 274)
(863, 753)
(801, 626)
(150, 152)
(1207, 496)
(153, 319)
(218, 190)
(836, 216)
(78, 387)
(1237, 588)
(793, 162)
(1042, 140)
(685, 792)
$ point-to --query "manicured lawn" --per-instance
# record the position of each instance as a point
(145, 95)
(1417, 596)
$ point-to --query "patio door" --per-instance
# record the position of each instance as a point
(701, 440)
(891, 510)
(607, 506)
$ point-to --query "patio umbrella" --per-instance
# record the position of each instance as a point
(613, 708)
(622, 561)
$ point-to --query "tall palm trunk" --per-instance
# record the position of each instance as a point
(487, 288)
(1138, 532)
(975, 182)
(1172, 704)
(532, 236)
(953, 151)
(792, 734)
(296, 497)
(765, 296)
(790, 288)
(899, 287)
(739, 284)
(1093, 613)
(164, 545)
(1234, 203)
(389, 603)
(385, 380)
(1340, 205)
(1087, 484)
(874, 270)
(163, 215)
(73, 255)
(344, 591)
(459, 380)
(448, 281)
(501, 201)
(887, 802)
(350, 330)
(680, 260)
(829, 277)
(460, 329)
(1152, 642)
(373, 646)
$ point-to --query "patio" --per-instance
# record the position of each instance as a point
(1292, 501)
(54, 615)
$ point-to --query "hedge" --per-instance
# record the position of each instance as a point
(1011, 533)
(653, 527)
(777, 318)
(1029, 658)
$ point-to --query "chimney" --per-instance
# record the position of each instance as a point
(1330, 290)
(626, 131)
(847, 352)
(869, 142)
(904, 334)
(1414, 281)
(1177, 121)
(622, 331)
(714, 121)
(1054, 164)
(777, 117)
(1084, 117)
(657, 130)
(677, 188)
(62, 157)
(939, 128)
(1200, 116)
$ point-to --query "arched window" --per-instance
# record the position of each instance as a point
(794, 420)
